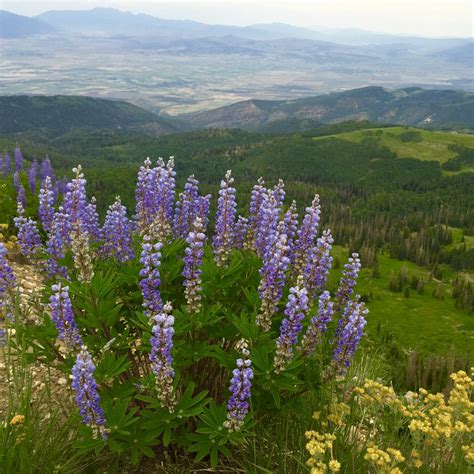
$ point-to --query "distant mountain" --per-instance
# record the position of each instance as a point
(59, 114)
(409, 106)
(110, 22)
(18, 26)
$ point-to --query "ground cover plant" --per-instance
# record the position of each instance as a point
(186, 333)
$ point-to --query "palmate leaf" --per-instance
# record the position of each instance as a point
(110, 366)
(161, 419)
(211, 437)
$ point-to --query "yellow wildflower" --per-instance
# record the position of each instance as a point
(17, 420)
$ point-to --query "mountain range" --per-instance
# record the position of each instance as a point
(409, 106)
(112, 22)
(56, 115)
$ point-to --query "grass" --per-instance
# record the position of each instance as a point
(434, 146)
(420, 322)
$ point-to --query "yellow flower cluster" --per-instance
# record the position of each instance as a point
(318, 446)
(439, 427)
(17, 420)
(384, 461)
(439, 420)
(338, 412)
(375, 392)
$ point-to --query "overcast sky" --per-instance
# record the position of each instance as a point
(418, 17)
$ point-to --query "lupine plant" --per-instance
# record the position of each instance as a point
(180, 335)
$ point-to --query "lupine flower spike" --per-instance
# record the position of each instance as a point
(186, 208)
(225, 219)
(348, 280)
(306, 236)
(240, 385)
(32, 175)
(58, 241)
(21, 197)
(28, 235)
(318, 266)
(150, 258)
(7, 285)
(256, 200)
(62, 315)
(75, 203)
(117, 233)
(192, 266)
(18, 158)
(47, 169)
(348, 335)
(318, 325)
(46, 204)
(161, 358)
(87, 397)
(291, 325)
(272, 281)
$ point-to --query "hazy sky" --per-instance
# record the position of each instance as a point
(418, 17)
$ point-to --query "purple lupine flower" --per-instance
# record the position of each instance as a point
(7, 167)
(46, 204)
(2, 162)
(202, 209)
(290, 226)
(155, 199)
(161, 189)
(61, 186)
(186, 208)
(306, 236)
(117, 233)
(91, 221)
(7, 285)
(75, 200)
(279, 192)
(291, 325)
(240, 385)
(47, 169)
(348, 280)
(62, 316)
(18, 158)
(21, 196)
(267, 223)
(143, 198)
(317, 325)
(87, 396)
(59, 240)
(348, 335)
(240, 232)
(225, 220)
(318, 266)
(16, 180)
(256, 201)
(150, 258)
(32, 175)
(29, 239)
(272, 281)
(194, 252)
(75, 203)
(161, 358)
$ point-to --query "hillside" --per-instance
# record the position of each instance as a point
(18, 26)
(409, 106)
(59, 114)
(409, 142)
